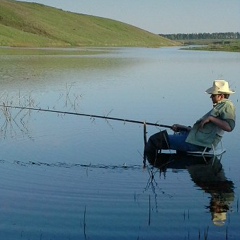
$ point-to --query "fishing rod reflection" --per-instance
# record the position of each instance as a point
(209, 177)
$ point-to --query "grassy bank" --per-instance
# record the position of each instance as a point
(214, 45)
(34, 25)
(233, 46)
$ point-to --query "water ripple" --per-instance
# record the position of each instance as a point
(75, 165)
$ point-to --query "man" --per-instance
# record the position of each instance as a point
(206, 132)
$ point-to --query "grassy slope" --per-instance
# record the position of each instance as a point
(35, 25)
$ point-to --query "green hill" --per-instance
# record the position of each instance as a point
(25, 24)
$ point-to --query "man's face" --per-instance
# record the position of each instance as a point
(216, 98)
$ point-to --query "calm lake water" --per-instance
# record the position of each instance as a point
(71, 177)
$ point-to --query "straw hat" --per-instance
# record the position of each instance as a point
(220, 87)
(219, 219)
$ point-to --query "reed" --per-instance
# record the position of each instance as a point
(84, 222)
(149, 210)
(237, 204)
(145, 143)
(15, 122)
(185, 215)
(206, 233)
(226, 233)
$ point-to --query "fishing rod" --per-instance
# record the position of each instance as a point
(86, 115)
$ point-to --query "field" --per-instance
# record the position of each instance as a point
(35, 25)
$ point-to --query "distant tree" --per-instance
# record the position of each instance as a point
(197, 36)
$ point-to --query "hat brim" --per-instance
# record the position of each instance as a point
(212, 90)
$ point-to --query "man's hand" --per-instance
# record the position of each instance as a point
(204, 121)
(178, 128)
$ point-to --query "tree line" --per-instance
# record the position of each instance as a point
(194, 36)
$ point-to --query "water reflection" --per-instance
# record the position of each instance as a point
(209, 177)
(212, 180)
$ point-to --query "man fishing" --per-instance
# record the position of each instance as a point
(206, 132)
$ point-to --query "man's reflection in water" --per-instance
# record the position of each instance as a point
(209, 176)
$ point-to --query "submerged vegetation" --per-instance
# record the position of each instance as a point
(25, 24)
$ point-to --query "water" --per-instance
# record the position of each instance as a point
(71, 177)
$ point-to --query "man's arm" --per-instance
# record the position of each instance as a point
(219, 122)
